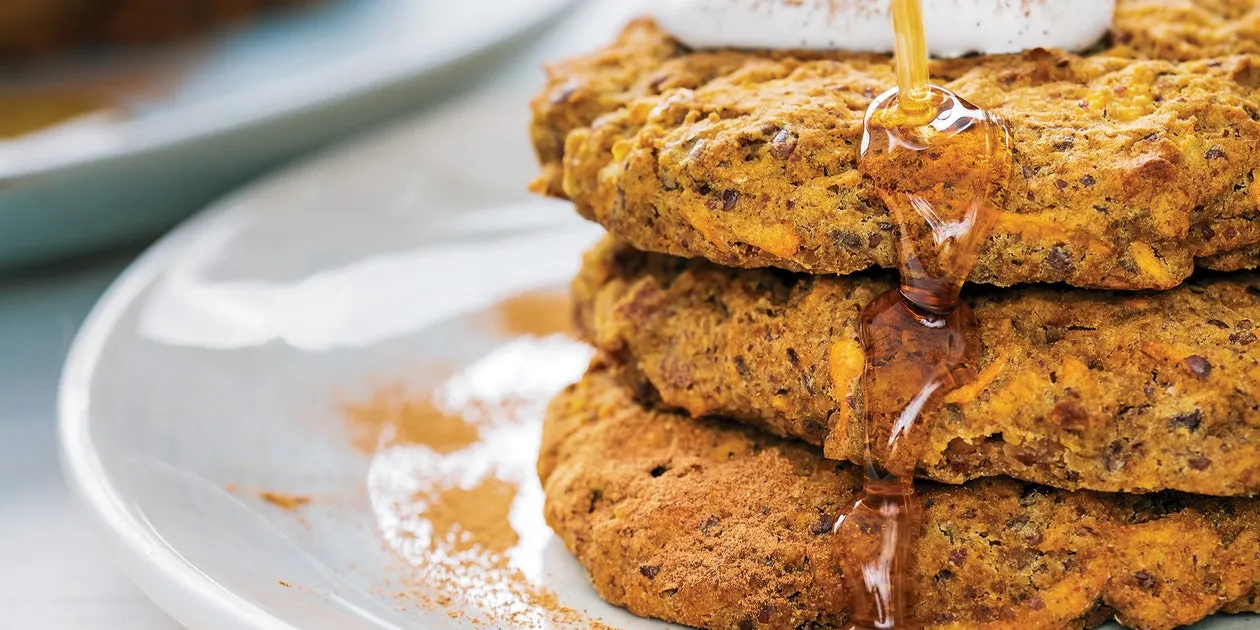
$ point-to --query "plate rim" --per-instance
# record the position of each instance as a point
(215, 117)
(137, 548)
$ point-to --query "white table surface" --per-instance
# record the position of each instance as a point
(54, 572)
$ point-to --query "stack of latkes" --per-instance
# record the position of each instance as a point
(1100, 465)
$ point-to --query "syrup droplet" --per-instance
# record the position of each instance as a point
(936, 172)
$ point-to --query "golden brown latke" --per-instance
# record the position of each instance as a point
(1133, 392)
(584, 88)
(1126, 170)
(713, 525)
(1186, 29)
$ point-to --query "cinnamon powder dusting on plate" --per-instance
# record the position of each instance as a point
(477, 517)
(537, 313)
(452, 483)
(391, 417)
(284, 500)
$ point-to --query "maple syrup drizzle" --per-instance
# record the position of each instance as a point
(935, 160)
(910, 53)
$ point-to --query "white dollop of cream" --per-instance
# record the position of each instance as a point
(953, 27)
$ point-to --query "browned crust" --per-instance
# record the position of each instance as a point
(1236, 260)
(708, 524)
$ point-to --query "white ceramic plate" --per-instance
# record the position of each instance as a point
(233, 105)
(221, 364)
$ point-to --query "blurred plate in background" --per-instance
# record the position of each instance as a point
(204, 116)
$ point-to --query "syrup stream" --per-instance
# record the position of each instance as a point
(936, 161)
(910, 50)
